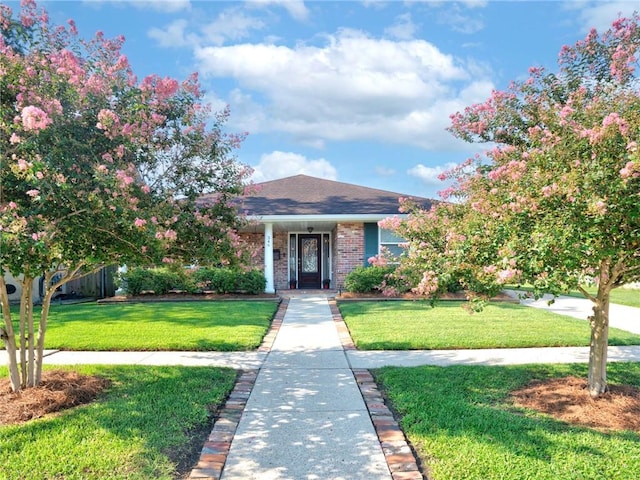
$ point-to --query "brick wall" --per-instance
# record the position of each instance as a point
(347, 247)
(348, 250)
(280, 267)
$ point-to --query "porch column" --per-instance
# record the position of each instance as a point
(268, 257)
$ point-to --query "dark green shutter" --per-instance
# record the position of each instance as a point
(370, 241)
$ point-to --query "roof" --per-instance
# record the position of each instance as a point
(305, 195)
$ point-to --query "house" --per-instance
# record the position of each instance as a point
(313, 232)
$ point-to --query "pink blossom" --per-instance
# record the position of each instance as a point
(566, 111)
(167, 260)
(505, 275)
(145, 188)
(159, 235)
(140, 222)
(34, 118)
(14, 139)
(170, 234)
(33, 193)
(23, 165)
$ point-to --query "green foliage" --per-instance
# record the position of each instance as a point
(157, 280)
(366, 279)
(226, 280)
(142, 427)
(220, 280)
(463, 425)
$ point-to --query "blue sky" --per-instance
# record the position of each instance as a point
(355, 91)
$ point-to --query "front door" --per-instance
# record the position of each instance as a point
(309, 261)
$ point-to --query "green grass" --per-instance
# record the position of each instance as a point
(140, 428)
(416, 326)
(463, 426)
(200, 326)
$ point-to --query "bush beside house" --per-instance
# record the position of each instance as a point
(161, 281)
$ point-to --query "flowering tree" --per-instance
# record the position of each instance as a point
(556, 200)
(98, 169)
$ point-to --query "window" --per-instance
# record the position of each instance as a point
(391, 242)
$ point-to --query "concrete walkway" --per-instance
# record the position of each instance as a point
(306, 418)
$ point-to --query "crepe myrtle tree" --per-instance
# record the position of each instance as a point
(98, 168)
(556, 200)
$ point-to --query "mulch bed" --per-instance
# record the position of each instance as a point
(567, 399)
(59, 390)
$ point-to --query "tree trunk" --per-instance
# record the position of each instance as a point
(28, 286)
(9, 338)
(42, 328)
(599, 340)
(23, 333)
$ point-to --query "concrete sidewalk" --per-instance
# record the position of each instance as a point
(305, 417)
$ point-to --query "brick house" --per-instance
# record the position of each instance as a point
(312, 232)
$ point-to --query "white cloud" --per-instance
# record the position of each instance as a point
(403, 28)
(600, 15)
(429, 175)
(173, 35)
(460, 21)
(352, 87)
(296, 8)
(284, 164)
(232, 24)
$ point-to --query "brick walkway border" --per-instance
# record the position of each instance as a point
(398, 454)
(216, 447)
(397, 451)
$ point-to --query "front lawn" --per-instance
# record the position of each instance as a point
(463, 426)
(200, 326)
(140, 428)
(406, 325)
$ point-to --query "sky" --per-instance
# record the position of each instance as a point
(355, 91)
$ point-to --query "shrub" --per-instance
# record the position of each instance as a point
(252, 282)
(225, 280)
(367, 279)
(159, 280)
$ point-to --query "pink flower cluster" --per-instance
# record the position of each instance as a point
(34, 118)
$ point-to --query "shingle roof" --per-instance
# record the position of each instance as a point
(305, 195)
